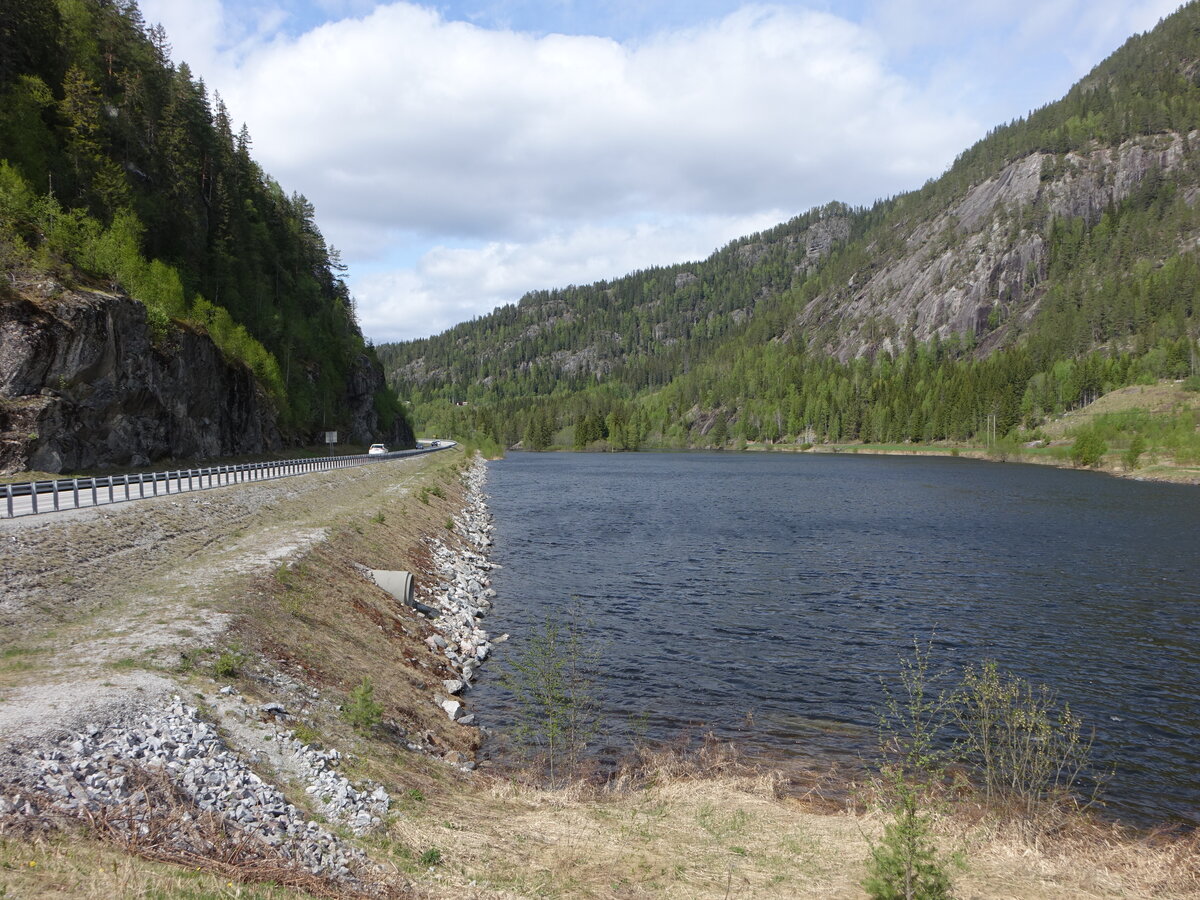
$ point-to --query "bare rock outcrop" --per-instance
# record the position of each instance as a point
(83, 385)
(979, 267)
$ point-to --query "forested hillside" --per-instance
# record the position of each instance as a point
(1055, 259)
(120, 173)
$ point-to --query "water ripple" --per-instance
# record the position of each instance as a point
(786, 587)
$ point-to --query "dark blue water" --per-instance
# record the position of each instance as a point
(764, 596)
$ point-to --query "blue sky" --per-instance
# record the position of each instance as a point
(462, 153)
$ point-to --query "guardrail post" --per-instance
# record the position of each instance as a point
(33, 497)
(126, 485)
(179, 481)
(74, 492)
(8, 490)
(95, 497)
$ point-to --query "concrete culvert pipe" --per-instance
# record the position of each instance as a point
(400, 585)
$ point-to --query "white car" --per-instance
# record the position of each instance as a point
(376, 450)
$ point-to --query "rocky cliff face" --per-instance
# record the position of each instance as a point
(364, 382)
(978, 267)
(83, 385)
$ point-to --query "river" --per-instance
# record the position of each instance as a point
(763, 597)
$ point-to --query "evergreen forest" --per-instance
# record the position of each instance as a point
(119, 171)
(1082, 281)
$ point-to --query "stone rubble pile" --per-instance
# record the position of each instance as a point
(93, 770)
(465, 594)
(334, 795)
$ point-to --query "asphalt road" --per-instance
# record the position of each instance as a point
(43, 497)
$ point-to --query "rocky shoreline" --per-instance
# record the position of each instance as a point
(464, 595)
(100, 767)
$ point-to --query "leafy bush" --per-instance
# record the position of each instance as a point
(906, 862)
(1136, 448)
(1026, 753)
(1089, 448)
(229, 663)
(551, 681)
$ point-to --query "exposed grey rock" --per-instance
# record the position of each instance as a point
(87, 772)
(954, 270)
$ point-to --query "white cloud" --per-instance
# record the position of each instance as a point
(410, 122)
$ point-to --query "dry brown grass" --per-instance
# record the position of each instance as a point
(707, 825)
(72, 865)
(1163, 398)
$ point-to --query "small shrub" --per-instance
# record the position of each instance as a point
(189, 658)
(552, 681)
(437, 491)
(430, 857)
(1192, 383)
(379, 518)
(906, 864)
(449, 524)
(1133, 455)
(306, 734)
(229, 663)
(424, 496)
(362, 711)
(1026, 752)
(1005, 448)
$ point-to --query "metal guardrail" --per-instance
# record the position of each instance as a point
(35, 497)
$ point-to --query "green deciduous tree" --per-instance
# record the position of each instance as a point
(552, 683)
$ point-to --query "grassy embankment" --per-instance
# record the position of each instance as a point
(698, 827)
(1165, 416)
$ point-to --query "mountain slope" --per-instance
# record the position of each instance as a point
(119, 175)
(1067, 232)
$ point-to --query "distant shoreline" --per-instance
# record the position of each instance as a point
(1157, 472)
